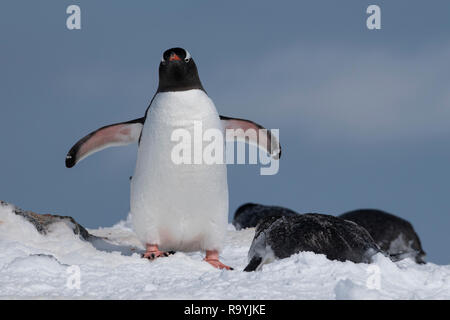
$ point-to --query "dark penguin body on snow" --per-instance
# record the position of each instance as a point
(394, 235)
(250, 214)
(338, 239)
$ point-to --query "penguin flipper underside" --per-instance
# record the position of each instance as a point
(262, 139)
(118, 134)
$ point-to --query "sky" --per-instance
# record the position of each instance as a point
(364, 115)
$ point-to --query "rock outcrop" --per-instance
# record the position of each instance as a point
(42, 222)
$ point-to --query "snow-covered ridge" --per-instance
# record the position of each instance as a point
(34, 265)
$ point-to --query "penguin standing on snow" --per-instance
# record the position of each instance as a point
(182, 207)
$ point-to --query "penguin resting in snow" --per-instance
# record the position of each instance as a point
(180, 207)
(281, 237)
(393, 234)
(249, 214)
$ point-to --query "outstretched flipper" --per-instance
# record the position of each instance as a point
(118, 134)
(254, 264)
(262, 138)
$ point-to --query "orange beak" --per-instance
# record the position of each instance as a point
(173, 57)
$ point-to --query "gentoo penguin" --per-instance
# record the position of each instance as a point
(173, 206)
(393, 234)
(249, 214)
(281, 237)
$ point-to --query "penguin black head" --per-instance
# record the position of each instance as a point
(178, 72)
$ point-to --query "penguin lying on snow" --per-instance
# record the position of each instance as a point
(338, 239)
(249, 214)
(394, 235)
(180, 207)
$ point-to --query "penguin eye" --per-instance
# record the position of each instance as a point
(187, 56)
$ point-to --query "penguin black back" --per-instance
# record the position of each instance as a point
(249, 215)
(393, 234)
(338, 239)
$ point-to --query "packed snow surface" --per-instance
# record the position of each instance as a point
(33, 265)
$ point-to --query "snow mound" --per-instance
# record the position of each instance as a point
(61, 265)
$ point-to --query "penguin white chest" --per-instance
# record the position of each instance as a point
(178, 206)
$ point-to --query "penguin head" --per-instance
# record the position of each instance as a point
(178, 72)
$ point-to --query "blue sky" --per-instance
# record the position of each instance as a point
(364, 116)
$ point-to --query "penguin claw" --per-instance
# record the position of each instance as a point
(153, 255)
(217, 264)
(212, 257)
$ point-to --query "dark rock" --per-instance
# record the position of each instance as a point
(50, 257)
(43, 221)
(250, 214)
(338, 239)
(394, 235)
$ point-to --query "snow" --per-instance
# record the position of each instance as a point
(45, 266)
